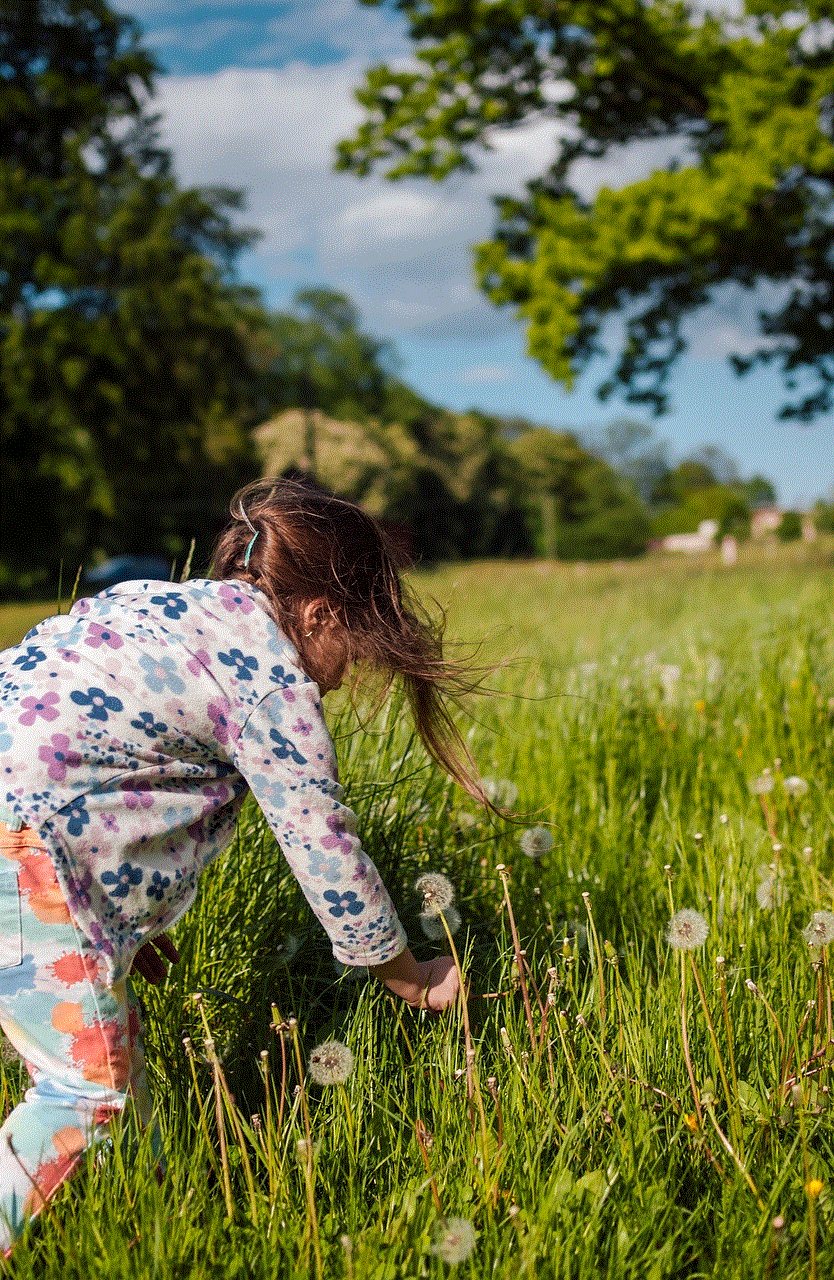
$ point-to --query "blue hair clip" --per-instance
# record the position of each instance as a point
(248, 551)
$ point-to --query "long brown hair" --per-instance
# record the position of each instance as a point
(311, 545)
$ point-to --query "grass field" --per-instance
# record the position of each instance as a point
(618, 1106)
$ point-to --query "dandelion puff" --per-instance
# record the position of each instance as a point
(500, 791)
(454, 1240)
(536, 841)
(331, 1062)
(437, 890)
(795, 786)
(431, 922)
(762, 785)
(820, 932)
(771, 893)
(687, 930)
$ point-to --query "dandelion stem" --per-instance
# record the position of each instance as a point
(597, 954)
(696, 1097)
(728, 1147)
(732, 1104)
(502, 872)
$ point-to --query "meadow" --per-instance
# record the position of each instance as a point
(619, 1098)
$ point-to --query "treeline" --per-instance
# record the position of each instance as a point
(140, 383)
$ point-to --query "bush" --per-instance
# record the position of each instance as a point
(789, 528)
(621, 533)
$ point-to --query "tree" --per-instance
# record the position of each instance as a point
(743, 101)
(123, 352)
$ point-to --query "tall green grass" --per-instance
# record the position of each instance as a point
(632, 1111)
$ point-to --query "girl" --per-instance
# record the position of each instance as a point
(132, 728)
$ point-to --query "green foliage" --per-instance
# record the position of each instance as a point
(823, 515)
(745, 105)
(642, 704)
(123, 365)
(789, 528)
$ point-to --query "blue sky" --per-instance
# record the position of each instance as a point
(254, 96)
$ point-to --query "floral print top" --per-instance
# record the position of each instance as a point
(131, 730)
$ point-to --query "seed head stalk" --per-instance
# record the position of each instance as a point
(473, 1084)
(732, 1098)
(696, 1094)
(597, 954)
(519, 959)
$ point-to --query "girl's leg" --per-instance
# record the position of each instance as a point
(79, 1036)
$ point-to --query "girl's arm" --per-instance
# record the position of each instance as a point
(430, 984)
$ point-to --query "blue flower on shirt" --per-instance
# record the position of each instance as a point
(280, 676)
(160, 673)
(77, 816)
(122, 880)
(343, 902)
(159, 883)
(174, 604)
(29, 659)
(284, 749)
(149, 725)
(243, 664)
(98, 701)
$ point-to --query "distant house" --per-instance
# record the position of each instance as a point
(764, 521)
(692, 543)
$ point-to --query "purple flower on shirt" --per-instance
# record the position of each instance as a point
(136, 795)
(69, 655)
(244, 664)
(303, 727)
(43, 707)
(122, 880)
(343, 902)
(98, 635)
(198, 662)
(233, 599)
(218, 713)
(58, 757)
(98, 701)
(338, 840)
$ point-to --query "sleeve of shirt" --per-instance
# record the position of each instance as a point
(287, 757)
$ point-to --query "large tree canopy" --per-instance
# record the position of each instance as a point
(746, 103)
(123, 360)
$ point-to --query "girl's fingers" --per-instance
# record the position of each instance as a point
(164, 944)
(148, 963)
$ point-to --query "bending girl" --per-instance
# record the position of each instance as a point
(133, 727)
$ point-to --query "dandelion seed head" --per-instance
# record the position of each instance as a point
(687, 930)
(454, 1240)
(762, 785)
(437, 892)
(331, 1062)
(500, 791)
(431, 922)
(795, 786)
(536, 841)
(820, 932)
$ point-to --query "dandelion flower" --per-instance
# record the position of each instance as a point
(454, 1240)
(762, 785)
(431, 922)
(770, 893)
(687, 930)
(820, 932)
(500, 791)
(795, 786)
(331, 1062)
(813, 1187)
(437, 890)
(536, 841)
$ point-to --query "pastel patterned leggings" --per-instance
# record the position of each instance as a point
(79, 1036)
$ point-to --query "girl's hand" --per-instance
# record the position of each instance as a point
(442, 984)
(430, 984)
(149, 963)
